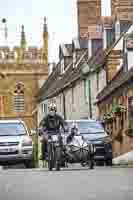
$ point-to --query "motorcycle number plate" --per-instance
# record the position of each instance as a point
(55, 138)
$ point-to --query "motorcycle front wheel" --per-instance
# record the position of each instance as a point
(50, 157)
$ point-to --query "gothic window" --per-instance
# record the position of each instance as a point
(18, 98)
(97, 81)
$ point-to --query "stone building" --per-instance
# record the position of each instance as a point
(23, 69)
(115, 100)
(72, 88)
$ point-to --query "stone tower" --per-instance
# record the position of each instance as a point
(89, 12)
(122, 9)
(22, 68)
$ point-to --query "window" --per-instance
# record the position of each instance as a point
(18, 98)
(9, 129)
(74, 59)
(72, 95)
(86, 90)
(44, 107)
(97, 81)
(62, 66)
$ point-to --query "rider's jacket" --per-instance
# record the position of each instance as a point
(52, 123)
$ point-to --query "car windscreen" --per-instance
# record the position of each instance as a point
(10, 129)
(88, 127)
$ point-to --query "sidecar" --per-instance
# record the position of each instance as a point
(79, 151)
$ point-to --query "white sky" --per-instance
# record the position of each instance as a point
(62, 21)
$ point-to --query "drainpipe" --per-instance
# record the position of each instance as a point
(90, 103)
(64, 105)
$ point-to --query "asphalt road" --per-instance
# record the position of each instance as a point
(100, 183)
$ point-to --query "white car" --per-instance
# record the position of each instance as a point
(15, 143)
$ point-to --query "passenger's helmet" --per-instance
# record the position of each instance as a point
(74, 128)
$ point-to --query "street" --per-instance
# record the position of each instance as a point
(73, 184)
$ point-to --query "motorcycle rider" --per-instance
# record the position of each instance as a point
(49, 125)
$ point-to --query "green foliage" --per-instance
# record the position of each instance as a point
(118, 109)
(108, 117)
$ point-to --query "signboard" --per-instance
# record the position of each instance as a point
(130, 108)
(129, 42)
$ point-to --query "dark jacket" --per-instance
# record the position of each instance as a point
(52, 123)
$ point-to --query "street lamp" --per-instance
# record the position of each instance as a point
(4, 21)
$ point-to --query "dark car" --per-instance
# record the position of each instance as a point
(93, 132)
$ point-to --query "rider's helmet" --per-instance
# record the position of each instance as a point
(52, 109)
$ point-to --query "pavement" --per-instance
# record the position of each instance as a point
(74, 183)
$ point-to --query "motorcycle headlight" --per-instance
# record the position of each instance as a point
(27, 141)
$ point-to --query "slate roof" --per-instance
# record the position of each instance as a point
(120, 79)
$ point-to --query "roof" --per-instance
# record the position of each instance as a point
(65, 50)
(120, 79)
(79, 43)
(55, 83)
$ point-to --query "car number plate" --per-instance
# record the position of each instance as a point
(7, 150)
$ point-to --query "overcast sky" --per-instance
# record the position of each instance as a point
(62, 21)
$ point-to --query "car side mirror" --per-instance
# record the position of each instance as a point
(32, 132)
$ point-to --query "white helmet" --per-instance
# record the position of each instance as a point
(74, 126)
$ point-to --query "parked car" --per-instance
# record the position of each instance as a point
(93, 132)
(15, 143)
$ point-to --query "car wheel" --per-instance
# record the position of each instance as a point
(108, 162)
(99, 163)
(91, 164)
(57, 166)
(29, 164)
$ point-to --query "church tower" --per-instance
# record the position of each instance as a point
(122, 9)
(89, 12)
(23, 69)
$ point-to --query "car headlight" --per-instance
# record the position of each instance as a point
(27, 141)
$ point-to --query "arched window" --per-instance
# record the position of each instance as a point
(18, 98)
